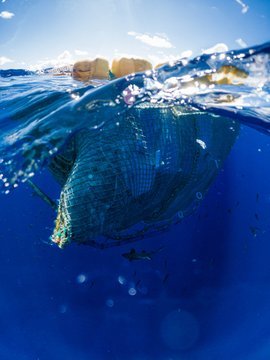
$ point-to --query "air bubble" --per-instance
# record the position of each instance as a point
(180, 214)
(201, 143)
(75, 97)
(81, 278)
(121, 280)
(199, 195)
(132, 291)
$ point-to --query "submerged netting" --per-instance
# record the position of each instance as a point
(141, 171)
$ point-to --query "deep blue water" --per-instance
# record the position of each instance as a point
(206, 295)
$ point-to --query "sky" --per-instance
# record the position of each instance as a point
(39, 33)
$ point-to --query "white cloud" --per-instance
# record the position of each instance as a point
(65, 56)
(6, 15)
(3, 1)
(4, 60)
(244, 6)
(63, 59)
(186, 53)
(241, 43)
(220, 47)
(80, 52)
(162, 59)
(155, 40)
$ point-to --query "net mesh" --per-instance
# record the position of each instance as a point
(139, 173)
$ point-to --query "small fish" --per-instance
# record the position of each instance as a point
(142, 255)
(257, 197)
(42, 195)
(256, 216)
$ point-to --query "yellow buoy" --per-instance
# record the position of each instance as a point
(86, 70)
(125, 66)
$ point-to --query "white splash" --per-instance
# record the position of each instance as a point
(220, 47)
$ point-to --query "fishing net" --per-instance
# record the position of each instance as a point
(138, 173)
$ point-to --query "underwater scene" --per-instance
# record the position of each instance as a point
(134, 180)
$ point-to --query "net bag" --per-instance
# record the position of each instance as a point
(140, 172)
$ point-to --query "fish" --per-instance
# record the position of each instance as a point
(42, 195)
(140, 255)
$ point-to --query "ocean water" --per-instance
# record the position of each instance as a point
(205, 294)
